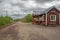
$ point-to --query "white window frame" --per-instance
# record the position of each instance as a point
(43, 18)
(54, 19)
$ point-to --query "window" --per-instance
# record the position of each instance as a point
(53, 11)
(52, 17)
(37, 19)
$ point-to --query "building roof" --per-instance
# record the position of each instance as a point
(38, 12)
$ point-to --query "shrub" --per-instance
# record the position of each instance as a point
(5, 20)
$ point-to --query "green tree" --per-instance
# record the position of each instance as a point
(27, 18)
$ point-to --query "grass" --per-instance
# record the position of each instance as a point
(5, 20)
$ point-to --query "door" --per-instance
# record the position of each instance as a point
(59, 19)
(53, 19)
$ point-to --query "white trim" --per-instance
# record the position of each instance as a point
(54, 19)
(46, 19)
(59, 18)
(43, 18)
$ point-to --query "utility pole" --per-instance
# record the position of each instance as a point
(6, 13)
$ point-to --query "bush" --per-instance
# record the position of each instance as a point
(5, 20)
(27, 18)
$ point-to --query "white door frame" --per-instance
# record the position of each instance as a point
(46, 19)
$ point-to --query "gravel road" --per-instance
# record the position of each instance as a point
(28, 31)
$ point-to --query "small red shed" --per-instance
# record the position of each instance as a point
(47, 17)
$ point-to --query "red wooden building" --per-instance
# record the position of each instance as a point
(48, 17)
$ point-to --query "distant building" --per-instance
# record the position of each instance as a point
(47, 17)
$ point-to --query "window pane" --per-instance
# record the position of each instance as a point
(53, 17)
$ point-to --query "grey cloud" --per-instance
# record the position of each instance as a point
(28, 0)
(43, 1)
(18, 4)
(1, 1)
(22, 7)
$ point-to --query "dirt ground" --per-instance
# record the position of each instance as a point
(28, 31)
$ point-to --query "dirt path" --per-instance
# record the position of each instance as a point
(22, 31)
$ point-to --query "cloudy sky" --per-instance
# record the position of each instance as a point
(20, 7)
